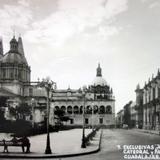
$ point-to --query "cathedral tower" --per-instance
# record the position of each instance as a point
(14, 65)
(1, 48)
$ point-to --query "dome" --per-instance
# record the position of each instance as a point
(16, 53)
(99, 81)
(12, 57)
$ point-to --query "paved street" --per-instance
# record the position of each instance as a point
(112, 138)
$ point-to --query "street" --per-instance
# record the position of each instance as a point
(112, 138)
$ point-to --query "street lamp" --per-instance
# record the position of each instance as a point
(83, 145)
(92, 114)
(47, 83)
(33, 105)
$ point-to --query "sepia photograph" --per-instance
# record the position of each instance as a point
(80, 79)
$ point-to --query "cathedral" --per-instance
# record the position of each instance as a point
(95, 102)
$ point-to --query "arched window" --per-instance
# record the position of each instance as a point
(109, 110)
(56, 108)
(63, 108)
(89, 110)
(101, 109)
(76, 110)
(69, 109)
(95, 109)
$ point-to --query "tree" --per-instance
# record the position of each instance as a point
(23, 109)
(127, 114)
(60, 116)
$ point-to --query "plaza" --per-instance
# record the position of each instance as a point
(63, 144)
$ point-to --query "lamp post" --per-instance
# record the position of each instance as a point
(92, 115)
(48, 85)
(83, 145)
(32, 104)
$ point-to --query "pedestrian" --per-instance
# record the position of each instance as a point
(25, 143)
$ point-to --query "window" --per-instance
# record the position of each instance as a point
(102, 110)
(63, 108)
(154, 91)
(71, 121)
(30, 91)
(109, 110)
(158, 92)
(101, 120)
(76, 110)
(86, 121)
(69, 109)
(95, 109)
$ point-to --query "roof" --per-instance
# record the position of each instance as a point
(99, 81)
(6, 93)
(13, 57)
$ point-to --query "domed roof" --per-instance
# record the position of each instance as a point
(99, 81)
(15, 54)
(12, 57)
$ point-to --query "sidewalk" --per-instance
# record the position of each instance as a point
(63, 144)
(148, 131)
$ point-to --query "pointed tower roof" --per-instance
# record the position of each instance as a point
(21, 50)
(20, 46)
(158, 73)
(1, 47)
(138, 86)
(13, 56)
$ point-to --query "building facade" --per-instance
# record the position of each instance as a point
(98, 102)
(17, 92)
(146, 111)
(151, 103)
(23, 99)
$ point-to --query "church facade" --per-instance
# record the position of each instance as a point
(96, 102)
(17, 91)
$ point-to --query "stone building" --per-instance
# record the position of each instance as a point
(146, 111)
(24, 99)
(151, 103)
(98, 100)
(16, 88)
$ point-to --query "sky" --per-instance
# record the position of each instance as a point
(66, 39)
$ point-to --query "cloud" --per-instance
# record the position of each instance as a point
(74, 17)
(14, 17)
(154, 5)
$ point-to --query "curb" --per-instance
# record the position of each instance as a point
(56, 156)
(148, 132)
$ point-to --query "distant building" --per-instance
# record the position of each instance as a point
(99, 103)
(128, 116)
(151, 103)
(146, 111)
(120, 119)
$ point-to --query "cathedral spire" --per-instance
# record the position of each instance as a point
(1, 47)
(20, 46)
(99, 71)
